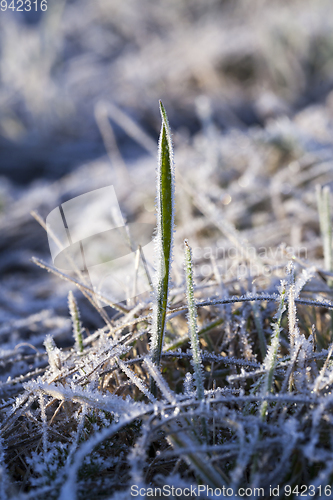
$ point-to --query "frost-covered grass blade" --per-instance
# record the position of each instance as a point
(192, 323)
(164, 236)
(323, 204)
(76, 321)
(271, 356)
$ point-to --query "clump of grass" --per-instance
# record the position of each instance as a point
(83, 420)
(272, 353)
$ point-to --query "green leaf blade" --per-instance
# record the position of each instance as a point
(164, 235)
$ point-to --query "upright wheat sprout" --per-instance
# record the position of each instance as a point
(164, 238)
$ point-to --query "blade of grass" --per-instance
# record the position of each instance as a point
(323, 202)
(324, 210)
(271, 356)
(76, 321)
(164, 238)
(193, 330)
(192, 323)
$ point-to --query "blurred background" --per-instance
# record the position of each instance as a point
(253, 60)
(248, 87)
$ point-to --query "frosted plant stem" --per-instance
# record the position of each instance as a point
(292, 315)
(193, 330)
(192, 323)
(76, 321)
(159, 380)
(271, 357)
(53, 353)
(164, 239)
(44, 423)
(323, 202)
(136, 380)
